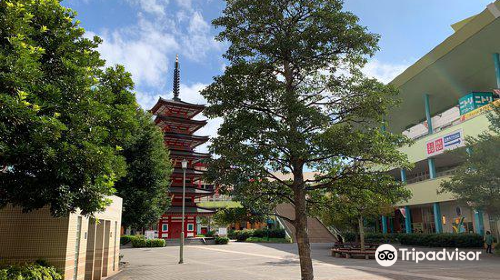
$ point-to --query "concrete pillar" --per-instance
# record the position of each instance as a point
(437, 217)
(384, 224)
(408, 219)
(496, 61)
(432, 168)
(428, 113)
(403, 175)
(478, 222)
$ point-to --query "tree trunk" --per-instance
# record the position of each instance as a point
(306, 267)
(361, 233)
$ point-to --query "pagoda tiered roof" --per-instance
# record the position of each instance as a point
(183, 154)
(191, 190)
(183, 141)
(178, 125)
(177, 210)
(178, 108)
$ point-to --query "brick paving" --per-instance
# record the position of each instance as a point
(242, 261)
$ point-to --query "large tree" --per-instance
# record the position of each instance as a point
(145, 188)
(477, 181)
(64, 118)
(294, 99)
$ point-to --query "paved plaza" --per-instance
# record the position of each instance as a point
(245, 261)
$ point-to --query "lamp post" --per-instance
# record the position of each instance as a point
(184, 164)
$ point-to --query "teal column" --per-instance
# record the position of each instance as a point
(391, 223)
(478, 219)
(408, 219)
(432, 168)
(428, 113)
(437, 218)
(403, 175)
(384, 224)
(496, 60)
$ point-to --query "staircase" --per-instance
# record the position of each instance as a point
(317, 232)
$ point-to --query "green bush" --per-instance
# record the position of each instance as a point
(126, 239)
(29, 272)
(462, 240)
(264, 240)
(349, 236)
(210, 233)
(221, 240)
(142, 242)
(376, 237)
(497, 249)
(242, 235)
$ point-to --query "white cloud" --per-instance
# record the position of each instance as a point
(152, 6)
(384, 72)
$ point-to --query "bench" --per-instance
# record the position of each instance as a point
(349, 253)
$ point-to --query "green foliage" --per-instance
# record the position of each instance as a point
(140, 242)
(376, 237)
(265, 240)
(476, 181)
(221, 240)
(242, 235)
(497, 250)
(145, 188)
(462, 240)
(29, 272)
(235, 215)
(210, 233)
(63, 116)
(126, 239)
(293, 98)
(349, 236)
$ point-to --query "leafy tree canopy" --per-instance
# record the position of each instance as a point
(145, 188)
(293, 99)
(477, 181)
(64, 117)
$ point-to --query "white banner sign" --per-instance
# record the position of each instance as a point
(446, 142)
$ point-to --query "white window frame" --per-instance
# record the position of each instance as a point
(192, 227)
(164, 227)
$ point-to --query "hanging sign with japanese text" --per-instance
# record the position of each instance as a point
(446, 142)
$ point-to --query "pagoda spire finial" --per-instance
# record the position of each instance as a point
(176, 79)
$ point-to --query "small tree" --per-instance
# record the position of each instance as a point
(477, 180)
(360, 198)
(145, 188)
(294, 98)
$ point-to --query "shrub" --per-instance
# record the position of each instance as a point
(29, 272)
(242, 235)
(142, 242)
(376, 237)
(462, 240)
(349, 236)
(200, 235)
(210, 233)
(126, 239)
(221, 240)
(264, 240)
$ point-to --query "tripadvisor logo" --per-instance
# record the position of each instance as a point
(386, 255)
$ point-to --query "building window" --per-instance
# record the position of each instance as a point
(190, 227)
(164, 227)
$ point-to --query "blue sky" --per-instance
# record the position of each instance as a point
(145, 35)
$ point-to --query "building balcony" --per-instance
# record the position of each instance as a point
(426, 191)
(472, 127)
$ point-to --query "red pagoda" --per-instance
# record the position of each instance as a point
(175, 118)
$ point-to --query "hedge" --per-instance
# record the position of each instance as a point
(376, 237)
(126, 239)
(221, 240)
(142, 242)
(264, 240)
(29, 272)
(242, 235)
(462, 240)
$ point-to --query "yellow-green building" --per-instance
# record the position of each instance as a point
(440, 95)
